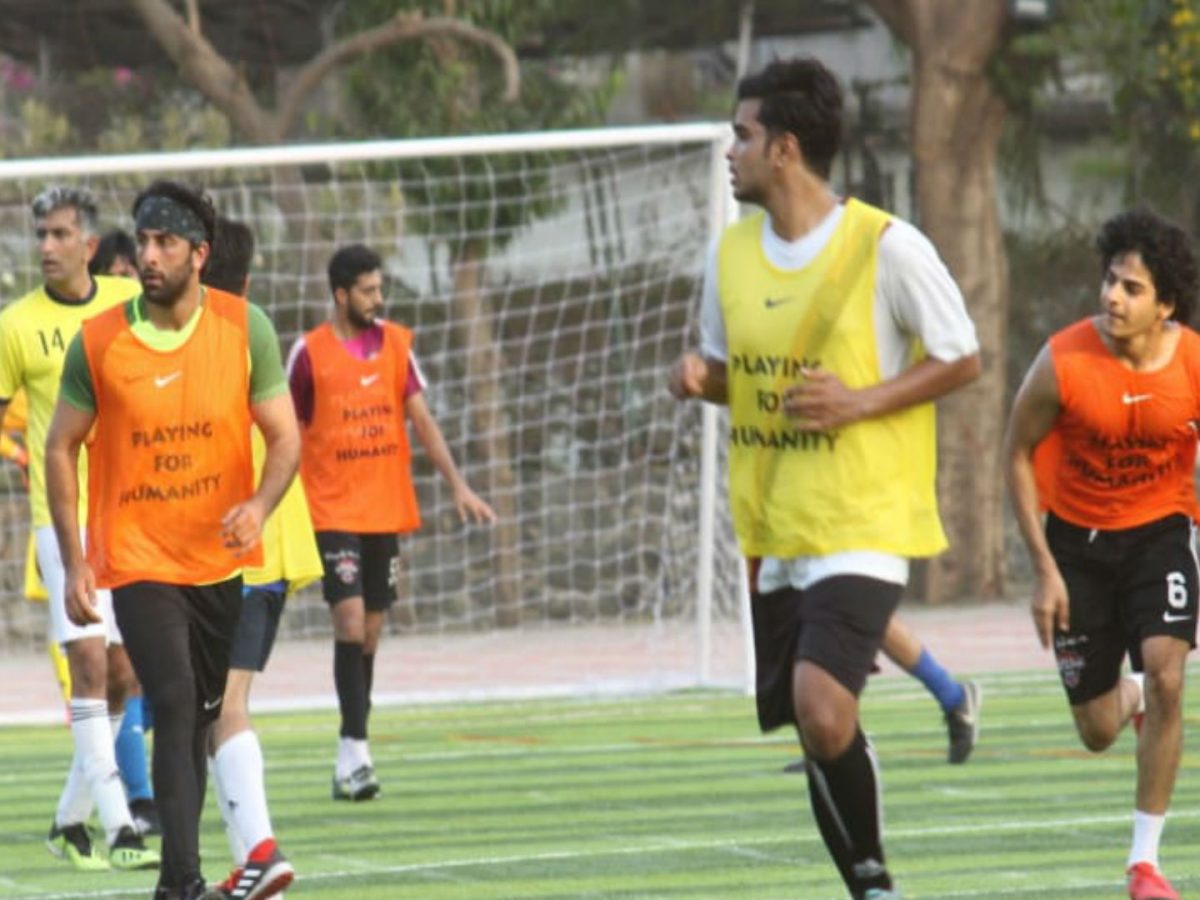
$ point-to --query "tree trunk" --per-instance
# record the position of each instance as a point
(957, 119)
(484, 372)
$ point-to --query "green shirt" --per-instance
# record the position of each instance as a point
(267, 379)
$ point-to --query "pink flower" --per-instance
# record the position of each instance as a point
(123, 76)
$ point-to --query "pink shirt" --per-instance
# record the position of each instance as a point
(363, 346)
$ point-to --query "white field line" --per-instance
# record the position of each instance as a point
(440, 867)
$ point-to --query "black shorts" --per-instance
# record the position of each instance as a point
(178, 638)
(1123, 587)
(256, 629)
(837, 624)
(360, 565)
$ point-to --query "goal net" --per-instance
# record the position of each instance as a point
(550, 279)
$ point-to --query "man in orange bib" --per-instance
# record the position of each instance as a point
(164, 389)
(1102, 436)
(357, 387)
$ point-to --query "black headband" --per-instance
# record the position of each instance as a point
(159, 213)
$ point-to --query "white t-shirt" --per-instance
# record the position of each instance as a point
(915, 297)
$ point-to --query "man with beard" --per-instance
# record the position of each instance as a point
(829, 327)
(357, 387)
(165, 388)
(34, 334)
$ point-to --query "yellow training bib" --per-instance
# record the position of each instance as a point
(867, 486)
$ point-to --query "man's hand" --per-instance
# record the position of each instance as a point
(241, 527)
(1050, 607)
(80, 595)
(688, 377)
(822, 402)
(471, 507)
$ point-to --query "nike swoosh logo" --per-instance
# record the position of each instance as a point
(161, 381)
(210, 705)
(368, 380)
(1128, 398)
(1169, 618)
(772, 302)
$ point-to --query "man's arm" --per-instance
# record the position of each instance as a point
(68, 430)
(822, 402)
(1034, 412)
(466, 501)
(695, 376)
(276, 419)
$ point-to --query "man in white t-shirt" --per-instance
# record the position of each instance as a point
(828, 327)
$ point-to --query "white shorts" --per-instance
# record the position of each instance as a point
(62, 629)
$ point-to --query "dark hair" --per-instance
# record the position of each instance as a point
(193, 198)
(1166, 251)
(113, 244)
(803, 98)
(349, 262)
(229, 261)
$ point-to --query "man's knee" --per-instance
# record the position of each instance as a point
(88, 664)
(1098, 721)
(1164, 688)
(826, 728)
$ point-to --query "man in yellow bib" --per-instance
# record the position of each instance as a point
(828, 327)
(34, 334)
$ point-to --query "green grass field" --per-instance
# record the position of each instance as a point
(666, 797)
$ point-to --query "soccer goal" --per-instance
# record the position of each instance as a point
(550, 280)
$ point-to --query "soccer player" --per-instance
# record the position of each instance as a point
(116, 254)
(290, 561)
(357, 388)
(34, 334)
(1102, 437)
(164, 388)
(828, 327)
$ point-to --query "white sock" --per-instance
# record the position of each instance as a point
(237, 847)
(94, 747)
(1147, 832)
(75, 801)
(239, 764)
(352, 754)
(1139, 678)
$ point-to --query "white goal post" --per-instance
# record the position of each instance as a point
(550, 279)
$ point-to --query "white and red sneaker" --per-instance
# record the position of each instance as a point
(265, 873)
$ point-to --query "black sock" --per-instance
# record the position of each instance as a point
(368, 663)
(845, 799)
(351, 691)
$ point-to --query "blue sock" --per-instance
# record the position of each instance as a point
(937, 681)
(131, 752)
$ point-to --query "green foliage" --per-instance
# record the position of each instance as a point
(1149, 51)
(109, 111)
(444, 87)
(42, 130)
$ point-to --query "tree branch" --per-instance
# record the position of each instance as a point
(404, 26)
(193, 11)
(204, 67)
(896, 16)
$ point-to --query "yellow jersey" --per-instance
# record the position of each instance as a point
(866, 486)
(289, 545)
(34, 334)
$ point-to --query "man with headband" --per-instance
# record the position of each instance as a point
(167, 386)
(34, 333)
